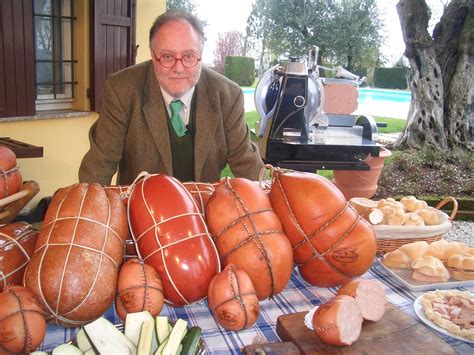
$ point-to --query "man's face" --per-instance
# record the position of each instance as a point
(177, 38)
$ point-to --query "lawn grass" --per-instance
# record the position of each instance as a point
(394, 125)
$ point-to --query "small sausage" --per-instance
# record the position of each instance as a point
(338, 322)
(370, 297)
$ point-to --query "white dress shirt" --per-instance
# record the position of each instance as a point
(186, 99)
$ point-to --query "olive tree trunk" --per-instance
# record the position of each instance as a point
(441, 82)
(454, 44)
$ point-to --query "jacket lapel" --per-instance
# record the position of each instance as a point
(207, 120)
(156, 118)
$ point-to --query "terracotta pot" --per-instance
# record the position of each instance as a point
(354, 183)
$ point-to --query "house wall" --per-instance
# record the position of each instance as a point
(65, 139)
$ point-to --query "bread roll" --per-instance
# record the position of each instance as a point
(429, 215)
(461, 267)
(375, 216)
(415, 250)
(442, 249)
(390, 202)
(429, 269)
(362, 205)
(412, 219)
(393, 215)
(397, 259)
(455, 248)
(412, 204)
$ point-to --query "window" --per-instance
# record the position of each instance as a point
(54, 54)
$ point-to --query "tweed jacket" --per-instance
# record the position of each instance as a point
(131, 134)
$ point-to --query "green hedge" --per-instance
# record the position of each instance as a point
(240, 69)
(390, 78)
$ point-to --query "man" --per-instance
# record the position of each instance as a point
(170, 115)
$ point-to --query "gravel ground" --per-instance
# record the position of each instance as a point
(461, 232)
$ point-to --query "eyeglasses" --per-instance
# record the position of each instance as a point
(168, 60)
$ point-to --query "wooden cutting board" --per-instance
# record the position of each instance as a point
(396, 332)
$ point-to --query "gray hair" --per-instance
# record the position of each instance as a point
(176, 15)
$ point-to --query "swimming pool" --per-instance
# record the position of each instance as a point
(374, 102)
(368, 94)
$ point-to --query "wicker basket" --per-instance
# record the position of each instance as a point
(390, 238)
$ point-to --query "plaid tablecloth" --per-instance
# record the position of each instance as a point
(298, 296)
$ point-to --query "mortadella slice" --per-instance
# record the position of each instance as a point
(370, 297)
(338, 322)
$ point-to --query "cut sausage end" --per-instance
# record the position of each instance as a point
(369, 295)
(349, 321)
(338, 322)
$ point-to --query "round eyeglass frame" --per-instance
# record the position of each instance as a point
(158, 59)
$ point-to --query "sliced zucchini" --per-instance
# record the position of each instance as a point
(107, 339)
(159, 351)
(82, 341)
(192, 342)
(67, 349)
(176, 336)
(133, 324)
(162, 328)
(147, 344)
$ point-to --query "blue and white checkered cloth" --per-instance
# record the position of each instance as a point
(298, 296)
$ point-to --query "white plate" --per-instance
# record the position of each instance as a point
(308, 318)
(403, 277)
(418, 307)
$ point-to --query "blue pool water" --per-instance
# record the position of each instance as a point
(395, 96)
(366, 94)
(376, 102)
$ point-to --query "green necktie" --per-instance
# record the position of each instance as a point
(176, 120)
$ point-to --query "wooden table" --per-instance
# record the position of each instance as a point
(21, 149)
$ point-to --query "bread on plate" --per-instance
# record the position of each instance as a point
(461, 266)
(429, 269)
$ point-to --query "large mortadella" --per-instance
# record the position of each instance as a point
(138, 289)
(74, 268)
(331, 242)
(17, 244)
(10, 175)
(249, 234)
(22, 323)
(171, 235)
(232, 299)
(201, 191)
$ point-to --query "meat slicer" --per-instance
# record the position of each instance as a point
(298, 131)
